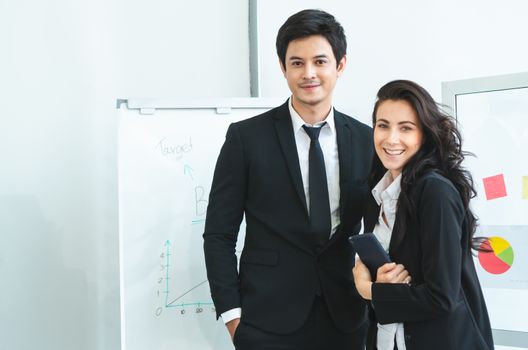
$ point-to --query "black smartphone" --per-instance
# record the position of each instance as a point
(370, 252)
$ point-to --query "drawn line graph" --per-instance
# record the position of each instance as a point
(174, 302)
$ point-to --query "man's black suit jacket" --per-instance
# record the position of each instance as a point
(281, 269)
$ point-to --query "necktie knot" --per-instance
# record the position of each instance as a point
(312, 132)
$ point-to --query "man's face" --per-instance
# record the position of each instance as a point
(311, 71)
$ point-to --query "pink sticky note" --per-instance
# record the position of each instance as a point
(494, 187)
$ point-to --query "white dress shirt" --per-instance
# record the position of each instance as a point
(386, 194)
(328, 142)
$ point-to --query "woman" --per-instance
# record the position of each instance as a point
(420, 213)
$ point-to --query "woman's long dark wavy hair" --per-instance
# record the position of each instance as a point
(441, 152)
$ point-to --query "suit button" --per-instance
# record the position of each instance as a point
(407, 337)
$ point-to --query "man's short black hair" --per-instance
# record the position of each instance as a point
(311, 22)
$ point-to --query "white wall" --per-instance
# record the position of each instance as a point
(58, 252)
(184, 48)
(63, 64)
(426, 41)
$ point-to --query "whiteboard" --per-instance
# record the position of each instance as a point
(492, 114)
(167, 153)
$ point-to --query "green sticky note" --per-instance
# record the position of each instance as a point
(525, 187)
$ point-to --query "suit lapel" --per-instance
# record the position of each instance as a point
(372, 211)
(344, 145)
(397, 233)
(284, 127)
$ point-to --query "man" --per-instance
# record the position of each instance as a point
(298, 173)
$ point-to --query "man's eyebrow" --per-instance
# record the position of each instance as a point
(300, 58)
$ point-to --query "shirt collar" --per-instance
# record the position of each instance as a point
(298, 122)
(391, 188)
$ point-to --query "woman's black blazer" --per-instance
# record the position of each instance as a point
(443, 308)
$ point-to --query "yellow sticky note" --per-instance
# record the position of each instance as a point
(525, 187)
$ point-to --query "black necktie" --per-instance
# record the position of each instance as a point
(320, 222)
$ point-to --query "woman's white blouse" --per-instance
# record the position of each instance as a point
(386, 194)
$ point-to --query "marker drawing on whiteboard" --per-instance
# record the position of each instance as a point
(185, 293)
(177, 151)
(197, 305)
(187, 170)
(200, 201)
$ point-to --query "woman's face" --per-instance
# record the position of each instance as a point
(397, 134)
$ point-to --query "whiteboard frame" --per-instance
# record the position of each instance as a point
(450, 91)
(222, 105)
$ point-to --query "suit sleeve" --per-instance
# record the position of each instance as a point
(224, 215)
(440, 219)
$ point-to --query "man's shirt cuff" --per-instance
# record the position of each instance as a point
(230, 315)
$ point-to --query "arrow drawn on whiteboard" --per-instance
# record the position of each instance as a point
(187, 292)
(187, 170)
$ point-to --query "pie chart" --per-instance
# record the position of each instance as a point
(499, 259)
